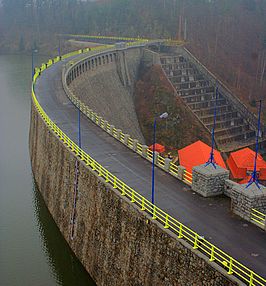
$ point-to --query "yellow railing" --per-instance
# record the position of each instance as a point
(187, 177)
(170, 42)
(109, 38)
(259, 218)
(161, 161)
(139, 148)
(173, 169)
(181, 231)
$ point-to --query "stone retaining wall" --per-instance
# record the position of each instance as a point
(243, 200)
(110, 85)
(117, 243)
(209, 181)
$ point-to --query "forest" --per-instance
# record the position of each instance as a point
(229, 37)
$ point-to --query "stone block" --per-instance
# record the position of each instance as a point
(209, 181)
(244, 199)
(228, 187)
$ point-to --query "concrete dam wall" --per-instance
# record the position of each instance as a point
(117, 243)
(107, 88)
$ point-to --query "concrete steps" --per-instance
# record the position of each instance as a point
(196, 90)
(210, 110)
(203, 98)
(206, 119)
(225, 123)
(187, 78)
(198, 93)
(240, 136)
(191, 84)
(208, 103)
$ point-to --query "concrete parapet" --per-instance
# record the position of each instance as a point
(156, 154)
(243, 200)
(118, 134)
(111, 129)
(93, 117)
(144, 151)
(167, 164)
(180, 172)
(209, 181)
(126, 136)
(105, 125)
(99, 120)
(135, 143)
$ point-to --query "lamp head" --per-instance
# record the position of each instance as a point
(164, 115)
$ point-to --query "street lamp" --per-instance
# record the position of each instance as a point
(32, 61)
(254, 175)
(59, 46)
(162, 116)
(211, 160)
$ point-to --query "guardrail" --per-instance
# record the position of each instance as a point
(258, 218)
(110, 38)
(182, 232)
(130, 142)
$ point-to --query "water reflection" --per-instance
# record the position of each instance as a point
(32, 251)
(66, 267)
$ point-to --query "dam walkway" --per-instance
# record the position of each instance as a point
(210, 217)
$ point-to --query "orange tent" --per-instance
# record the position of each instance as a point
(197, 154)
(158, 148)
(241, 164)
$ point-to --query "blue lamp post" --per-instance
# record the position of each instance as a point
(59, 46)
(162, 116)
(254, 175)
(33, 51)
(211, 160)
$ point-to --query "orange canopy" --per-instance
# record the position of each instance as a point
(158, 148)
(241, 164)
(197, 154)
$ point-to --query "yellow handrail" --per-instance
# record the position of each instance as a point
(187, 177)
(181, 231)
(160, 162)
(258, 217)
(109, 38)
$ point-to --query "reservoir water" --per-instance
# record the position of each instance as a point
(32, 250)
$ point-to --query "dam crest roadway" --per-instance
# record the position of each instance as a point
(210, 217)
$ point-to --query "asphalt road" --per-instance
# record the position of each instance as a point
(210, 217)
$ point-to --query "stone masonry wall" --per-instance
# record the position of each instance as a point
(243, 200)
(116, 243)
(209, 181)
(103, 87)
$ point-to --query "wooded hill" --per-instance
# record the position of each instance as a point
(227, 36)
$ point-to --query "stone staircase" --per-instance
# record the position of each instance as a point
(198, 92)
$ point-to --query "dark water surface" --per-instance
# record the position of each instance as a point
(32, 250)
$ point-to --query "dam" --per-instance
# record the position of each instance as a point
(98, 190)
